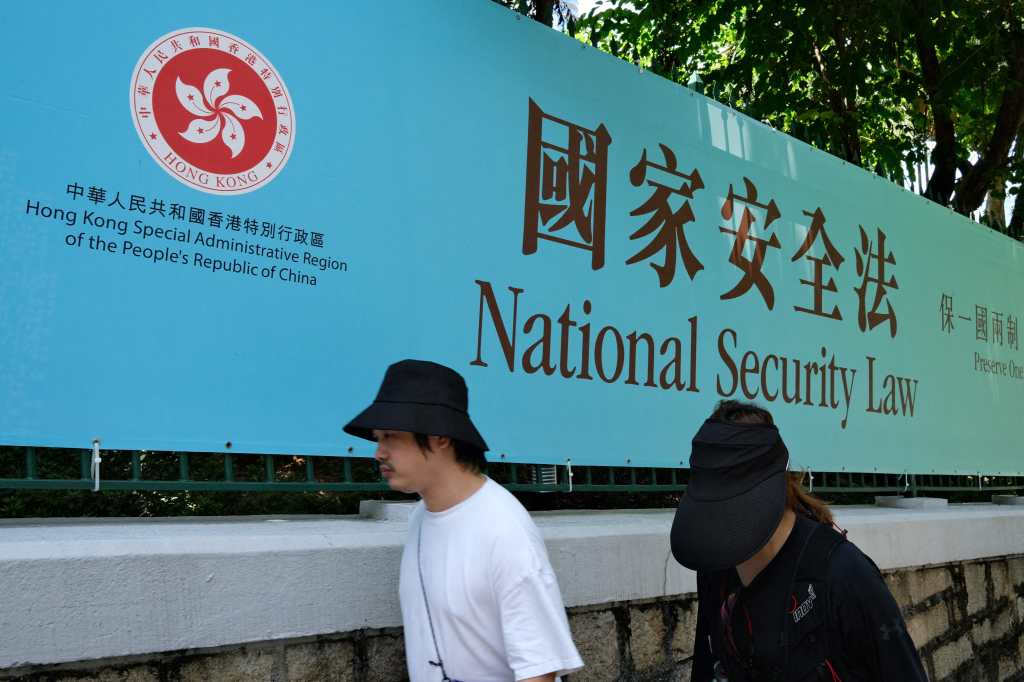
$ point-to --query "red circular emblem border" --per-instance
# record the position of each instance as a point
(140, 95)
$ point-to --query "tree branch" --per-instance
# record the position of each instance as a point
(848, 125)
(970, 191)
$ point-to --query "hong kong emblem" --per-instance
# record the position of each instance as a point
(212, 111)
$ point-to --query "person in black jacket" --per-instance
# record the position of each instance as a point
(783, 596)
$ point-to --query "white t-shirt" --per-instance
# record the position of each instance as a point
(497, 610)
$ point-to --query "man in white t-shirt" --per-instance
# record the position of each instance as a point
(480, 602)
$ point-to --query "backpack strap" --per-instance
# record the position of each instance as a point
(813, 567)
(814, 564)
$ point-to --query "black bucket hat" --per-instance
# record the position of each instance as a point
(735, 498)
(421, 397)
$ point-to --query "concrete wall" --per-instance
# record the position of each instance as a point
(314, 599)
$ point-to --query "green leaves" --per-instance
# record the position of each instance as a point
(871, 82)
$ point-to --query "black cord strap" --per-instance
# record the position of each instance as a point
(439, 663)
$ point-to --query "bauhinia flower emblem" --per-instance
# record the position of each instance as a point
(225, 110)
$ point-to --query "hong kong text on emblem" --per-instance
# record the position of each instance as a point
(212, 111)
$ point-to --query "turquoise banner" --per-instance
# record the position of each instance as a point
(219, 223)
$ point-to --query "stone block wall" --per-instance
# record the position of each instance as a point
(966, 618)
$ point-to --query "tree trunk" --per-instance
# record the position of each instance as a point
(970, 190)
(940, 184)
(544, 11)
(1016, 227)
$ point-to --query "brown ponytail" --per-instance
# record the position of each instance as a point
(802, 502)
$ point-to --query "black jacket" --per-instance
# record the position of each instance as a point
(833, 620)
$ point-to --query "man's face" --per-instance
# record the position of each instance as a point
(405, 466)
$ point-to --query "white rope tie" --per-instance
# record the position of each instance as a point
(95, 468)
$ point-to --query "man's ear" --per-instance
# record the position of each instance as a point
(440, 442)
